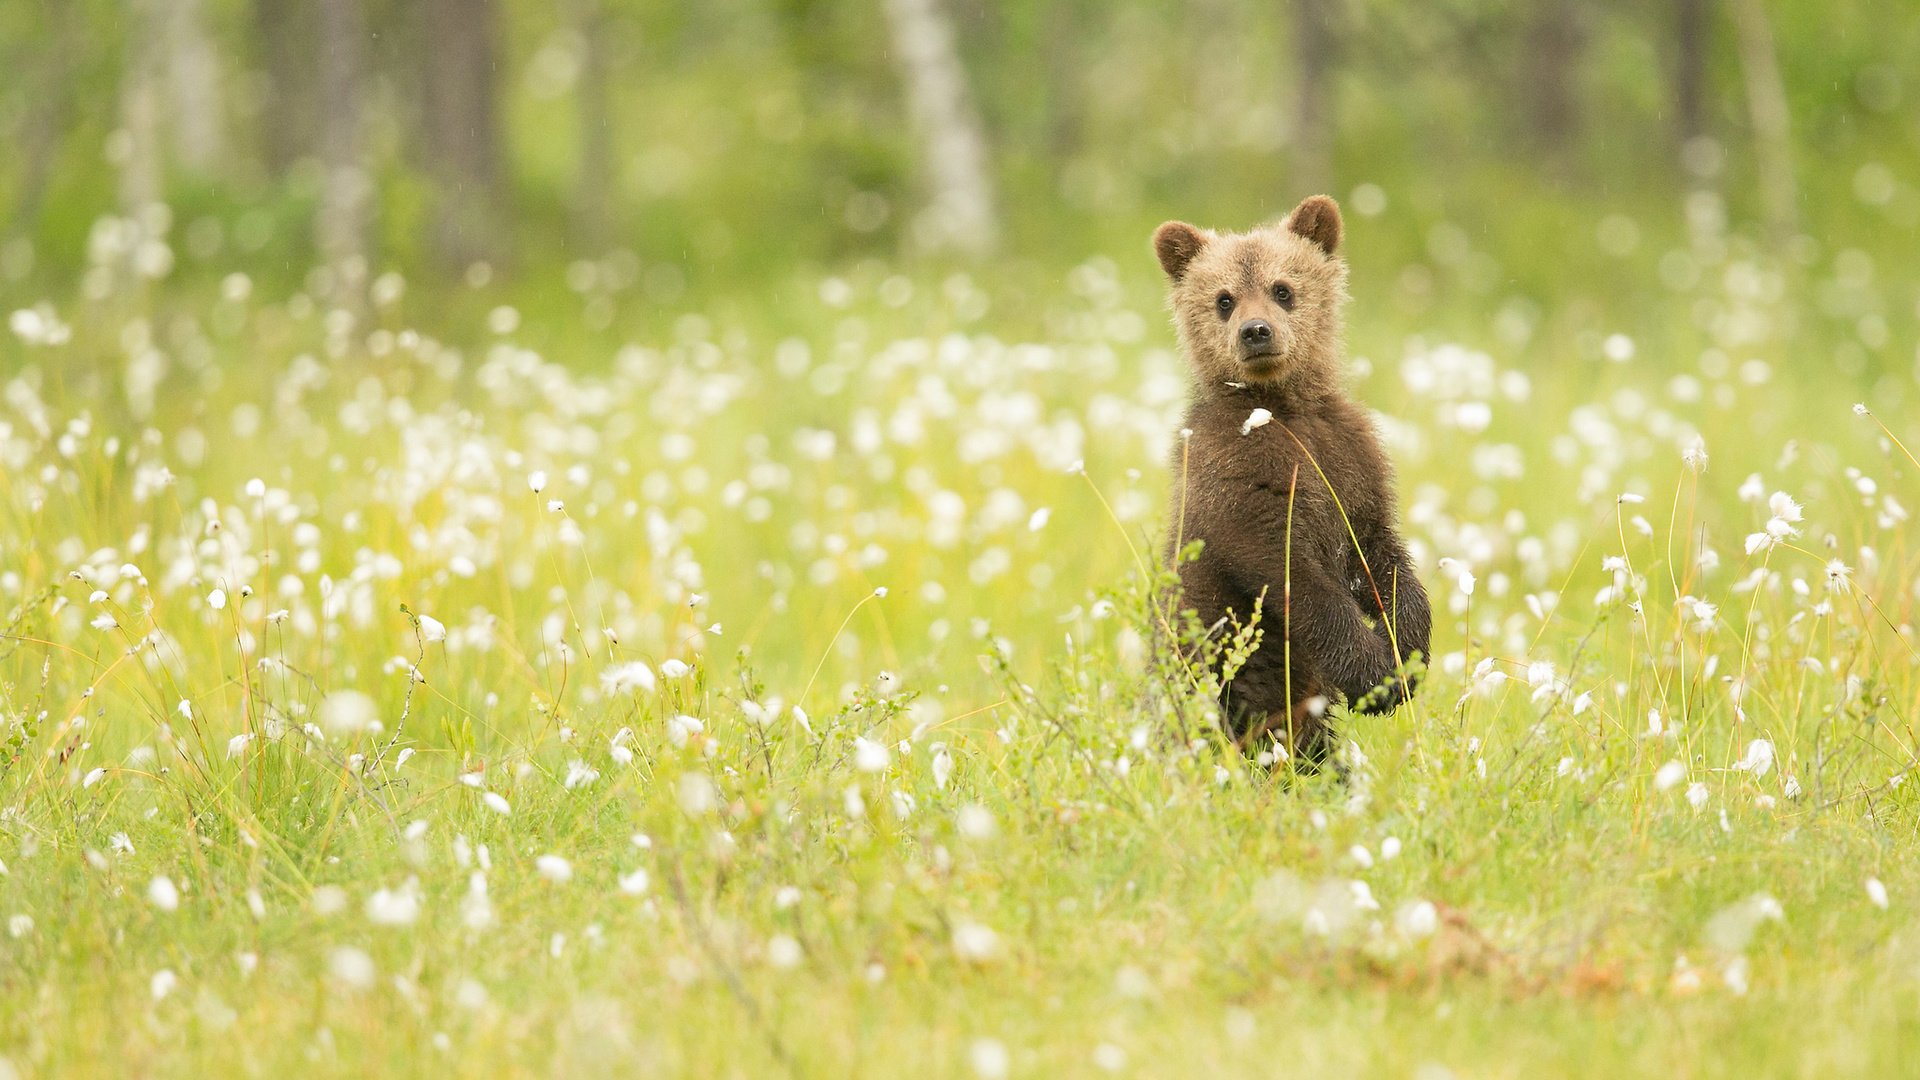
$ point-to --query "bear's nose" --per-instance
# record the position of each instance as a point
(1255, 332)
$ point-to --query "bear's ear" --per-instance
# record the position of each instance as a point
(1317, 218)
(1176, 243)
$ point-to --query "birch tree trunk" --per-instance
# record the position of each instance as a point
(1767, 107)
(197, 100)
(284, 32)
(1691, 34)
(1316, 43)
(341, 221)
(960, 215)
(461, 116)
(1555, 41)
(51, 113)
(593, 94)
(142, 172)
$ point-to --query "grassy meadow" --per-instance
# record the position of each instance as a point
(457, 686)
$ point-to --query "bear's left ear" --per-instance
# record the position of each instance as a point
(1317, 218)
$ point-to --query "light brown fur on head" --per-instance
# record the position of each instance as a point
(1289, 277)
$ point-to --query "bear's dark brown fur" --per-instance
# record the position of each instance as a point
(1282, 477)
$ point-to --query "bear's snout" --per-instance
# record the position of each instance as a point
(1258, 342)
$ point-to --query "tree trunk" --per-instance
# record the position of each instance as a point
(594, 184)
(960, 215)
(1066, 74)
(284, 32)
(50, 114)
(198, 102)
(1555, 42)
(461, 115)
(340, 224)
(1690, 70)
(142, 172)
(1316, 45)
(1767, 106)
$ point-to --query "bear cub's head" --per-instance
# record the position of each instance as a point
(1260, 307)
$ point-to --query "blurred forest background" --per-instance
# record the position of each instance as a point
(645, 157)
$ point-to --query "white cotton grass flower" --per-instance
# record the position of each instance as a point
(1839, 576)
(432, 629)
(870, 756)
(1699, 613)
(783, 952)
(636, 883)
(674, 669)
(1669, 776)
(1258, 418)
(1732, 928)
(975, 822)
(1877, 893)
(975, 943)
(497, 803)
(1786, 513)
(989, 1059)
(537, 481)
(697, 794)
(579, 775)
(163, 983)
(351, 968)
(1418, 919)
(1758, 759)
(163, 894)
(476, 909)
(554, 868)
(217, 599)
(1697, 794)
(347, 711)
(1462, 576)
(682, 728)
(630, 677)
(395, 907)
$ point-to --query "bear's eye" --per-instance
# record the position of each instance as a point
(1283, 295)
(1224, 304)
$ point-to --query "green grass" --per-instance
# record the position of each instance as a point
(1042, 861)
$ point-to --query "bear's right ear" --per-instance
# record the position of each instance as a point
(1176, 243)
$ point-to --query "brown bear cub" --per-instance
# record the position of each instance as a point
(1282, 478)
